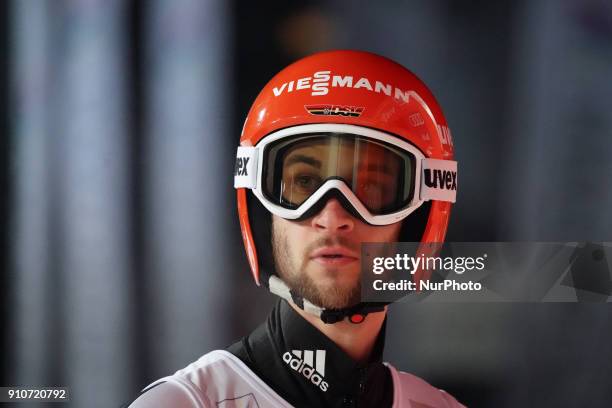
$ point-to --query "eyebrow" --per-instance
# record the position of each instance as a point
(300, 158)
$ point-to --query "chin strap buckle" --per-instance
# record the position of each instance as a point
(356, 314)
(331, 316)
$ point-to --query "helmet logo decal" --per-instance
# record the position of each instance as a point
(240, 169)
(341, 110)
(310, 363)
(245, 169)
(442, 179)
(444, 135)
(416, 119)
(439, 180)
(319, 84)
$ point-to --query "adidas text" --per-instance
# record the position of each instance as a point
(297, 364)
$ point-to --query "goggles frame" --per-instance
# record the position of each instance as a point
(248, 173)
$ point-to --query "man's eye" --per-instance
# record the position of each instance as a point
(306, 181)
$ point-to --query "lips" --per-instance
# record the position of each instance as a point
(335, 255)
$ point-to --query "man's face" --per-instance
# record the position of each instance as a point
(319, 257)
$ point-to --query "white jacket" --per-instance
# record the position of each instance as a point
(220, 379)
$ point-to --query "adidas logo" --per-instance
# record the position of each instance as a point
(302, 362)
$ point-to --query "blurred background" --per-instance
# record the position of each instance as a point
(121, 256)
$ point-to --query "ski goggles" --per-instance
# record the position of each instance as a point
(382, 177)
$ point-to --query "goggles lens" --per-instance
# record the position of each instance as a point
(380, 174)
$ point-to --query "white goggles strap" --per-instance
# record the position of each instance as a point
(245, 170)
(439, 180)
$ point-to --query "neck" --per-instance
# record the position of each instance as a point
(356, 340)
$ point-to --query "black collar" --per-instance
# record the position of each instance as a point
(309, 370)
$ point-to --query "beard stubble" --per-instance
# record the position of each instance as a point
(297, 278)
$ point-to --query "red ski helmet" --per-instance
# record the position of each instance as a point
(347, 93)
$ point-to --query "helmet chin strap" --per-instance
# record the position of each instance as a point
(354, 314)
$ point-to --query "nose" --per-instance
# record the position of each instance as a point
(333, 218)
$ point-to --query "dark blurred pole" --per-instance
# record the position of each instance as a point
(258, 55)
(5, 192)
(31, 310)
(137, 95)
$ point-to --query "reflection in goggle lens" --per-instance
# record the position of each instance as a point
(379, 174)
